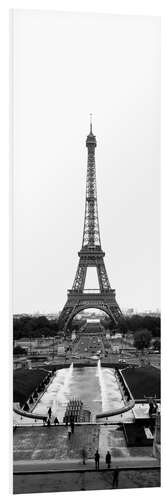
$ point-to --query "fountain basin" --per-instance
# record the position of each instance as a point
(96, 386)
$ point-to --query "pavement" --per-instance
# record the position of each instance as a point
(45, 448)
(26, 466)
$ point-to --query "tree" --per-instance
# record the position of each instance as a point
(18, 350)
(157, 344)
(156, 332)
(142, 339)
(34, 327)
(139, 322)
(122, 325)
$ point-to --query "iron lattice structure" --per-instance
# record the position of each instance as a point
(90, 255)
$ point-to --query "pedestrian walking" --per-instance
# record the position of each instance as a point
(115, 478)
(69, 433)
(108, 459)
(83, 453)
(97, 458)
(50, 412)
(71, 419)
(66, 420)
(151, 407)
(155, 405)
(72, 427)
(48, 422)
(56, 421)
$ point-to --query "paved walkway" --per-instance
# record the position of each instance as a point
(69, 465)
(52, 445)
(36, 443)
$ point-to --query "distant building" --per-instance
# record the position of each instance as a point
(60, 350)
(147, 312)
(130, 311)
(21, 362)
(52, 316)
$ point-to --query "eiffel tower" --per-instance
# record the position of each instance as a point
(90, 255)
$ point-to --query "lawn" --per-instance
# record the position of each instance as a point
(143, 381)
(24, 383)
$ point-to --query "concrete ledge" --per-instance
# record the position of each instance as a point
(86, 469)
(118, 411)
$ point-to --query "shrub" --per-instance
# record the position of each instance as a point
(18, 350)
(142, 339)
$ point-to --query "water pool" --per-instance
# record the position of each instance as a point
(97, 387)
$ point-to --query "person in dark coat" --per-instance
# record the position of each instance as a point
(155, 405)
(72, 427)
(66, 420)
(69, 433)
(83, 456)
(108, 459)
(50, 412)
(97, 458)
(151, 408)
(56, 421)
(48, 422)
(115, 478)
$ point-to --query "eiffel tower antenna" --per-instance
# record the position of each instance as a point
(90, 123)
(90, 255)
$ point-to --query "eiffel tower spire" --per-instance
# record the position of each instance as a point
(90, 123)
(90, 255)
(91, 232)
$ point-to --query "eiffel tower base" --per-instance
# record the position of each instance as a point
(78, 301)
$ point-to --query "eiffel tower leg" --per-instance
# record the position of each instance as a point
(65, 316)
(114, 312)
(80, 276)
(104, 283)
(69, 311)
(70, 316)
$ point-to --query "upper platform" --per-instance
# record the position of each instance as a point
(95, 251)
(91, 138)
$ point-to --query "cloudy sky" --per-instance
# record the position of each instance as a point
(67, 66)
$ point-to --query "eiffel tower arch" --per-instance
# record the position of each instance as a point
(90, 255)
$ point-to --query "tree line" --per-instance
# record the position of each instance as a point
(136, 322)
(144, 328)
(39, 326)
(34, 327)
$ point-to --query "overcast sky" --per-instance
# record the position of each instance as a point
(67, 66)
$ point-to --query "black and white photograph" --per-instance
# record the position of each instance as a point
(86, 307)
